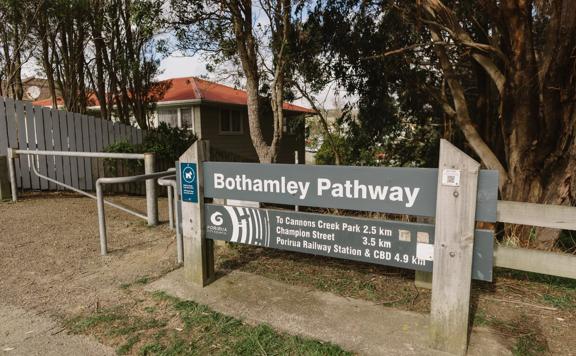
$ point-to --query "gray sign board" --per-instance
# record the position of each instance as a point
(409, 191)
(391, 243)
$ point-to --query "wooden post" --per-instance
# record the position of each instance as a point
(453, 249)
(198, 251)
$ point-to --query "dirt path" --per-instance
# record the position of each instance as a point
(50, 262)
(27, 334)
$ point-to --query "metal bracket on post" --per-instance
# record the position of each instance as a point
(11, 155)
(198, 251)
(453, 249)
(151, 196)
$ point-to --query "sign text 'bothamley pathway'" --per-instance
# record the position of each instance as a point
(324, 187)
(391, 190)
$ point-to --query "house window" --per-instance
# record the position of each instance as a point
(230, 121)
(169, 116)
(187, 118)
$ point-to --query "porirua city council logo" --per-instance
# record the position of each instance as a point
(216, 222)
(216, 218)
(189, 175)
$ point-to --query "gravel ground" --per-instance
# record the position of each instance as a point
(52, 269)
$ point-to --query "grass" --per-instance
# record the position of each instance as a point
(159, 324)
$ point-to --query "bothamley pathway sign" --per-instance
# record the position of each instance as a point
(410, 191)
(457, 194)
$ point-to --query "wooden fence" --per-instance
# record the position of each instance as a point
(24, 126)
(542, 215)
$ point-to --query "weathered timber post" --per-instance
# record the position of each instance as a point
(453, 249)
(198, 251)
(151, 194)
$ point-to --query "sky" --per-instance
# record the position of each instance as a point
(180, 66)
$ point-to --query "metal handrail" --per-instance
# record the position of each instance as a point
(80, 191)
(81, 154)
(100, 199)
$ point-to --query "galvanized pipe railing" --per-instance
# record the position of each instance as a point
(80, 191)
(174, 212)
(149, 163)
(100, 199)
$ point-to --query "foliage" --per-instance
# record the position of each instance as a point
(168, 143)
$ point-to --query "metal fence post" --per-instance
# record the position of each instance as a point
(151, 195)
(170, 206)
(101, 219)
(453, 249)
(12, 173)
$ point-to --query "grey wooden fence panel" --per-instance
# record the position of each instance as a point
(74, 163)
(49, 142)
(22, 142)
(31, 130)
(11, 124)
(41, 143)
(25, 126)
(57, 146)
(65, 147)
(3, 129)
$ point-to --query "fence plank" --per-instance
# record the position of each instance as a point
(57, 146)
(65, 144)
(32, 144)
(86, 144)
(123, 132)
(80, 148)
(39, 123)
(551, 263)
(49, 142)
(99, 166)
(3, 129)
(74, 161)
(554, 216)
(23, 144)
(134, 135)
(140, 134)
(92, 135)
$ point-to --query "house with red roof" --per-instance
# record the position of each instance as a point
(218, 113)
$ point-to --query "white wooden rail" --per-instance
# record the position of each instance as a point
(542, 215)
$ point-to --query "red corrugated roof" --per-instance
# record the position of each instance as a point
(190, 88)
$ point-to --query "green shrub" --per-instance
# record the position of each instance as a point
(168, 143)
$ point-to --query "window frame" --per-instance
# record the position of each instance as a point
(230, 111)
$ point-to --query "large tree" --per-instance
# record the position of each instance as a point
(503, 72)
(229, 31)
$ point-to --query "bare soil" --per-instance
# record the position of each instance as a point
(50, 265)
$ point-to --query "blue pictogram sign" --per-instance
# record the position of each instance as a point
(189, 182)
